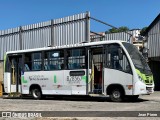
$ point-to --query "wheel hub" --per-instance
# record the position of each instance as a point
(36, 93)
(116, 94)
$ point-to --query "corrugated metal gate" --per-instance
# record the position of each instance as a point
(63, 31)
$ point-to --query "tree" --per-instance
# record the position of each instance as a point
(123, 29)
(143, 30)
(113, 30)
(120, 29)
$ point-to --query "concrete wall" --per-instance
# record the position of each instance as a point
(1, 71)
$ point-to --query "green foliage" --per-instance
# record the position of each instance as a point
(120, 29)
(123, 29)
(143, 30)
(113, 30)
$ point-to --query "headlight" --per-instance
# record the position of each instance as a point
(140, 79)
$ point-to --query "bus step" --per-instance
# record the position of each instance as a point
(97, 91)
(97, 95)
(13, 95)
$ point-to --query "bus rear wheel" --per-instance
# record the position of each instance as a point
(36, 93)
(116, 95)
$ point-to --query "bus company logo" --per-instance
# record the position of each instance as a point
(6, 114)
(20, 114)
(37, 77)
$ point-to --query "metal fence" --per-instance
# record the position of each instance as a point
(63, 31)
(117, 36)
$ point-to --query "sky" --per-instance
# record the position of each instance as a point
(135, 14)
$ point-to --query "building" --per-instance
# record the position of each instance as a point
(152, 35)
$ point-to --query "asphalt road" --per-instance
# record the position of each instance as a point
(90, 106)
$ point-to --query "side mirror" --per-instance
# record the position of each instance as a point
(120, 53)
(145, 53)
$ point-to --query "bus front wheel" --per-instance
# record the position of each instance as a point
(36, 93)
(116, 95)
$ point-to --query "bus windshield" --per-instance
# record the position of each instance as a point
(137, 58)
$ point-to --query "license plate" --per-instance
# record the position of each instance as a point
(149, 89)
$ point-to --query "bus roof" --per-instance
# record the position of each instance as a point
(66, 46)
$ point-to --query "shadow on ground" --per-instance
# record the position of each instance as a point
(82, 98)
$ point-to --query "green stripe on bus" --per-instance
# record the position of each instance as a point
(23, 80)
(84, 78)
(143, 76)
(55, 79)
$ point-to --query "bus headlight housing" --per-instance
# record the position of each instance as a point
(141, 79)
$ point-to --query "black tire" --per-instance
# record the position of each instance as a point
(116, 95)
(36, 93)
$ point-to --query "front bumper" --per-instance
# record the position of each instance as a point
(150, 90)
(143, 89)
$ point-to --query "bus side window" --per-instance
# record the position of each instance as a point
(33, 61)
(27, 68)
(36, 61)
(46, 67)
(7, 64)
(53, 60)
(76, 58)
(28, 62)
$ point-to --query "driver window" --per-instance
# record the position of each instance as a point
(115, 60)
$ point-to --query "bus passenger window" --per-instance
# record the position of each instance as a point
(36, 61)
(33, 61)
(27, 68)
(54, 60)
(28, 62)
(76, 59)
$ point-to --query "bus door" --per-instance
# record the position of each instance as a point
(96, 65)
(16, 69)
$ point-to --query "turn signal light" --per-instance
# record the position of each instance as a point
(130, 86)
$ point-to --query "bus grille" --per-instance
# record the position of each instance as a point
(148, 81)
